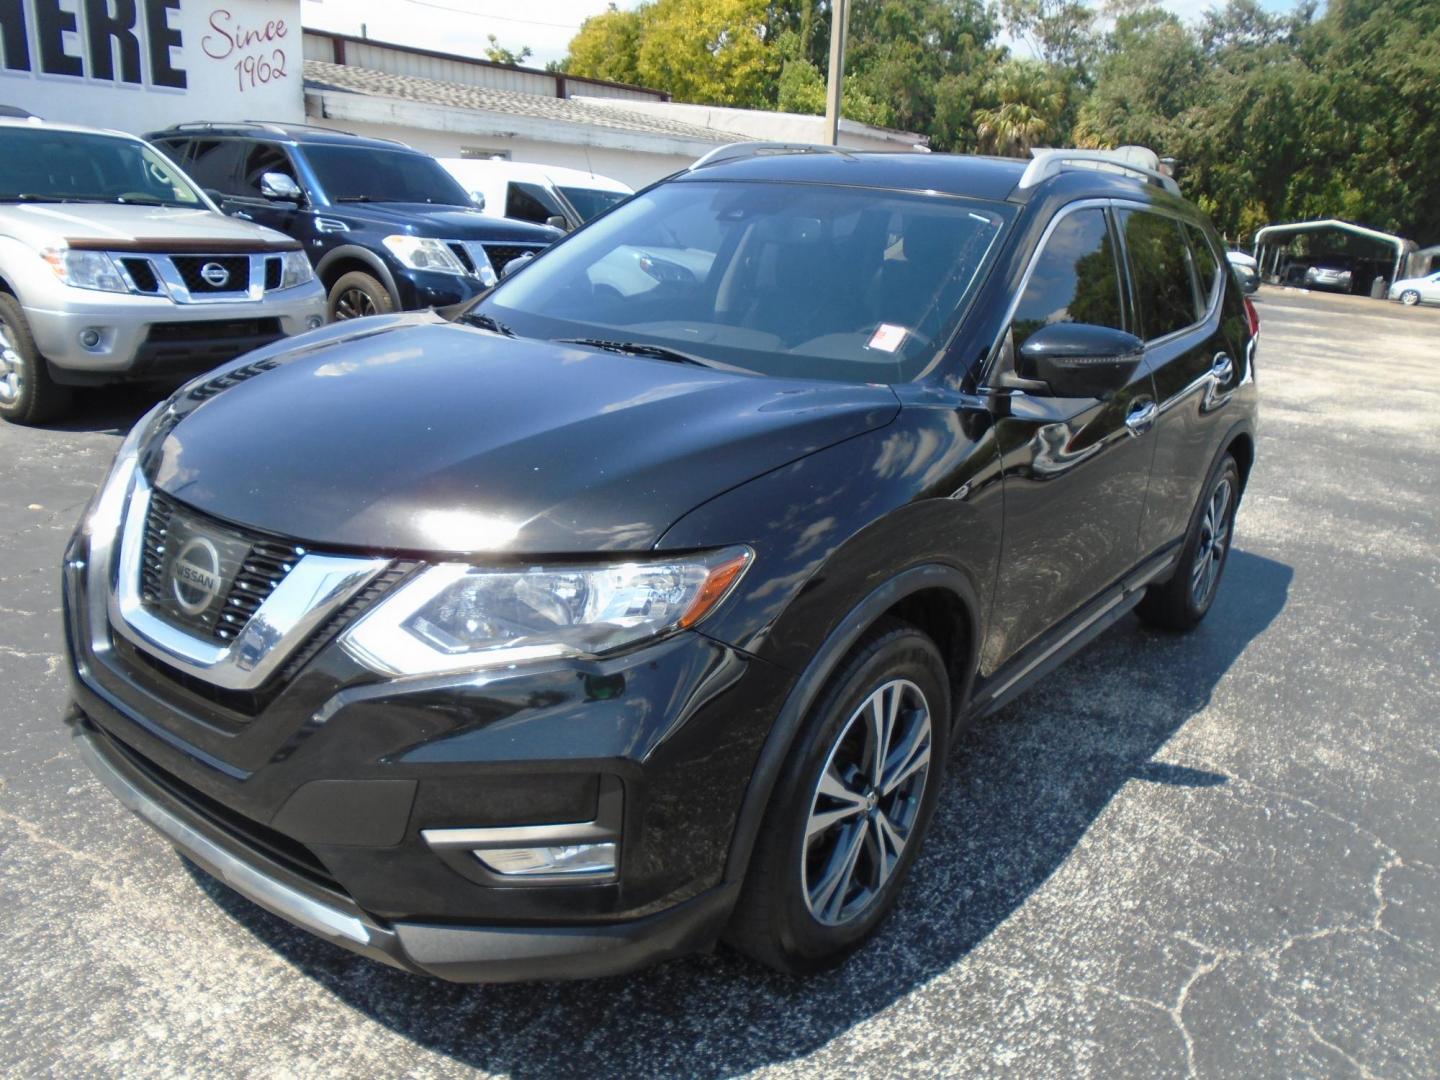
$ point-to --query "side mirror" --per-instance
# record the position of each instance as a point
(280, 187)
(478, 198)
(1079, 360)
(517, 263)
(555, 221)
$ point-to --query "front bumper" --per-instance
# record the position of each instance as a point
(151, 337)
(457, 952)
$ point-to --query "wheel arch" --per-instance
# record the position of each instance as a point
(1240, 444)
(338, 262)
(935, 598)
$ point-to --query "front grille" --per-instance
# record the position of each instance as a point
(274, 272)
(191, 269)
(501, 254)
(458, 249)
(275, 846)
(265, 564)
(142, 274)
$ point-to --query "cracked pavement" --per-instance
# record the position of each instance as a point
(1212, 855)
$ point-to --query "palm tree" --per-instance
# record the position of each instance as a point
(1027, 109)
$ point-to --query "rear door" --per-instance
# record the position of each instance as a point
(1076, 469)
(1177, 287)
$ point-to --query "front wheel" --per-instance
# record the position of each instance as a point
(358, 294)
(1182, 601)
(28, 395)
(1410, 297)
(851, 808)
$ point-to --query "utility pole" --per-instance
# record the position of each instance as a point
(839, 31)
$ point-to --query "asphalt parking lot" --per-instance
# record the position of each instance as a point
(1213, 855)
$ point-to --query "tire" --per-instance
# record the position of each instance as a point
(1182, 602)
(358, 294)
(28, 395)
(799, 911)
(1409, 298)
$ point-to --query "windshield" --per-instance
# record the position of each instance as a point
(592, 202)
(44, 165)
(797, 280)
(366, 174)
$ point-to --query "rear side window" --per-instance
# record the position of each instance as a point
(212, 162)
(1207, 267)
(1075, 279)
(1160, 269)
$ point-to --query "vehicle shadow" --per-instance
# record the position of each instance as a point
(1023, 789)
(112, 409)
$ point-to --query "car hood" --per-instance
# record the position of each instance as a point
(446, 222)
(408, 433)
(53, 224)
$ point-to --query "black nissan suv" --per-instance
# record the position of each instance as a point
(386, 227)
(639, 604)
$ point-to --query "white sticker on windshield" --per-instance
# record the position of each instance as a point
(887, 337)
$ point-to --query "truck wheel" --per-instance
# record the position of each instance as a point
(28, 395)
(851, 808)
(356, 295)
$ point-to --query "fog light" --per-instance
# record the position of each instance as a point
(577, 859)
(314, 322)
(90, 338)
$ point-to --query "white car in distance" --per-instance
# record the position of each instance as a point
(536, 193)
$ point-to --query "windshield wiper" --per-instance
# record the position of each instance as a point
(639, 348)
(26, 196)
(487, 322)
(354, 198)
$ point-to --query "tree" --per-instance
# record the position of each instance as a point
(497, 53)
(607, 46)
(1026, 109)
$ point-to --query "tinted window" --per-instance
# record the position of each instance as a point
(1160, 267)
(802, 280)
(1207, 267)
(530, 202)
(371, 174)
(39, 164)
(1075, 278)
(212, 163)
(260, 159)
(591, 202)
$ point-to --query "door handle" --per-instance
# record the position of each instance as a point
(241, 214)
(1222, 368)
(1141, 418)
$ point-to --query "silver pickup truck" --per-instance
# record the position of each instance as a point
(115, 267)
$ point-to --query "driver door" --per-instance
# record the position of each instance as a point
(1075, 469)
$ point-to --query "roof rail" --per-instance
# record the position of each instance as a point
(739, 151)
(1048, 163)
(279, 127)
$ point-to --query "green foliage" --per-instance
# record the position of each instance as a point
(498, 54)
(1271, 116)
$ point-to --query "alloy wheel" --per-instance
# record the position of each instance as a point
(1210, 552)
(354, 304)
(866, 803)
(1410, 298)
(12, 368)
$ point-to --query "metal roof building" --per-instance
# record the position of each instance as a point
(1273, 242)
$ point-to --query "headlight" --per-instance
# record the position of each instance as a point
(424, 253)
(296, 269)
(456, 617)
(85, 269)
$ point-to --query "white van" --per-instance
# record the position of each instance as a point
(538, 193)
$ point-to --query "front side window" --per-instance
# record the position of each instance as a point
(1160, 269)
(802, 280)
(592, 202)
(1075, 279)
(531, 202)
(263, 158)
(371, 174)
(45, 165)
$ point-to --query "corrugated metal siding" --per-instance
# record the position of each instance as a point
(395, 61)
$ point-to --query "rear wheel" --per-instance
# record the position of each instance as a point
(851, 808)
(28, 395)
(358, 294)
(1182, 602)
(1410, 297)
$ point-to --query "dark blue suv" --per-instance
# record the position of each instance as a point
(385, 225)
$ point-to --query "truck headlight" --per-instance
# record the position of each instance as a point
(295, 269)
(85, 269)
(458, 617)
(424, 253)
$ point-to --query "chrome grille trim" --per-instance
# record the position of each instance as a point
(307, 596)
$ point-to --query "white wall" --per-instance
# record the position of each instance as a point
(633, 167)
(181, 60)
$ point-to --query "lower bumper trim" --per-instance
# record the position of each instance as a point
(456, 952)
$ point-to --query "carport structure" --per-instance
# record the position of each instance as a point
(1388, 254)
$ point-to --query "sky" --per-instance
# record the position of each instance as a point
(545, 26)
